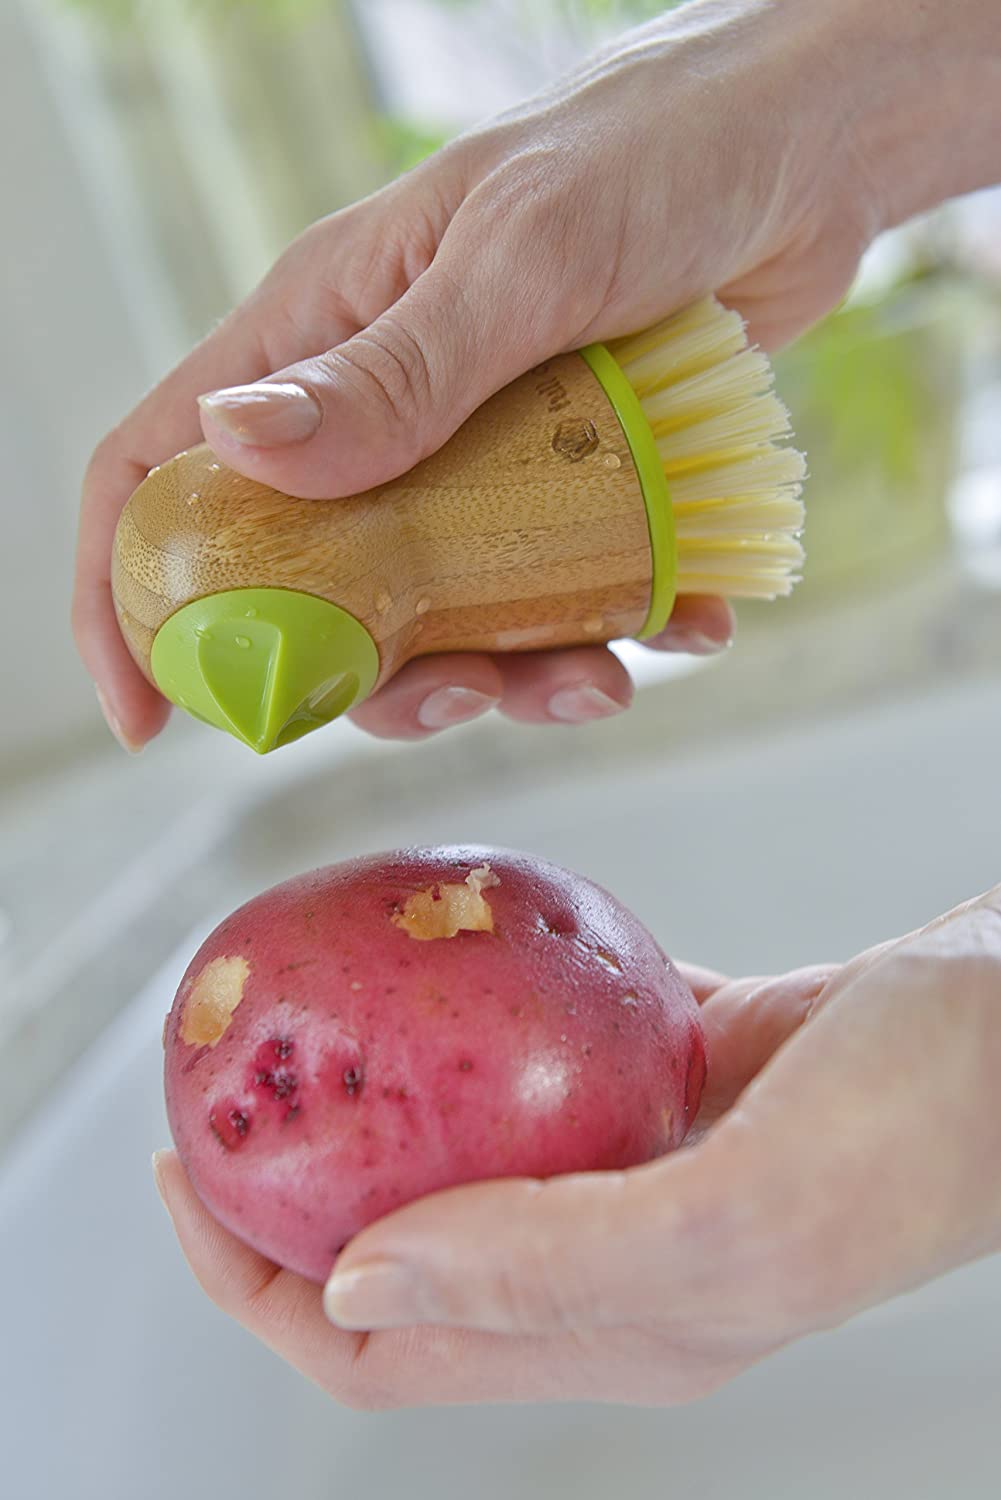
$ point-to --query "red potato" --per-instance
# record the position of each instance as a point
(382, 1028)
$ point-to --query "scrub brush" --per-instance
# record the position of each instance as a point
(573, 506)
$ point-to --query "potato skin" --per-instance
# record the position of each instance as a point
(359, 1068)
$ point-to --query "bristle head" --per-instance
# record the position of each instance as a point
(734, 483)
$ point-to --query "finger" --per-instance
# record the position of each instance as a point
(435, 692)
(431, 694)
(702, 982)
(745, 1022)
(700, 624)
(280, 1308)
(369, 409)
(164, 423)
(577, 686)
(572, 686)
(538, 1257)
(412, 1366)
(527, 1257)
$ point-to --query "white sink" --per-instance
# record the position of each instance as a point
(123, 1382)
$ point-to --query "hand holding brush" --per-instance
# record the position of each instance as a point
(662, 171)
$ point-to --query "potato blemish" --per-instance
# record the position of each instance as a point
(448, 909)
(213, 998)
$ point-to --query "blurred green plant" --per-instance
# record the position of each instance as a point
(870, 375)
(121, 12)
(406, 144)
(626, 10)
(875, 392)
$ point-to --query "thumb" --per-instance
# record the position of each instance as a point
(373, 406)
(656, 1244)
(523, 1256)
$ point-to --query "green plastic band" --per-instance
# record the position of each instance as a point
(266, 665)
(653, 483)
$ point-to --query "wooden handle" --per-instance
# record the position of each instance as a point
(527, 530)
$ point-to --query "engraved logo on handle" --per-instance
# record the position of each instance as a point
(551, 389)
(575, 439)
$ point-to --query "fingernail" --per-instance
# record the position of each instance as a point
(112, 721)
(703, 645)
(382, 1294)
(266, 415)
(157, 1178)
(581, 704)
(453, 705)
(677, 636)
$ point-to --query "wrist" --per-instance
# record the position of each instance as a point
(920, 87)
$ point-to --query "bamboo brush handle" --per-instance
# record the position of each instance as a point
(527, 530)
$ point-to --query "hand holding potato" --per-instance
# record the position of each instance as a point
(365, 1034)
(848, 1120)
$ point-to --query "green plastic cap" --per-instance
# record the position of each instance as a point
(267, 665)
(653, 483)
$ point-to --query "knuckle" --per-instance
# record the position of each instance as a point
(361, 1393)
(245, 1296)
(518, 1298)
(533, 181)
(106, 455)
(409, 234)
(537, 1288)
(373, 1381)
(521, 1297)
(351, 266)
(396, 366)
(315, 277)
(796, 996)
(539, 212)
(216, 1285)
(281, 1308)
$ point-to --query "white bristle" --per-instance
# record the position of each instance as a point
(673, 406)
(718, 426)
(731, 430)
(694, 339)
(750, 515)
(760, 584)
(764, 471)
(718, 556)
